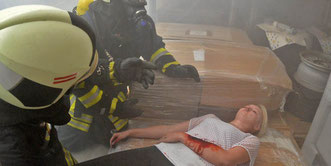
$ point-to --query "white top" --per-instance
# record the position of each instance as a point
(210, 129)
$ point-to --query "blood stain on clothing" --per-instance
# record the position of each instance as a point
(199, 145)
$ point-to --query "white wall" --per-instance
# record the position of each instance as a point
(317, 148)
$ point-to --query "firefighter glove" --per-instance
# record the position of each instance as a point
(183, 71)
(134, 69)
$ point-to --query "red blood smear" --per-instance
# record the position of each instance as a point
(199, 145)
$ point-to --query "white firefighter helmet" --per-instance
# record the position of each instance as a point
(44, 51)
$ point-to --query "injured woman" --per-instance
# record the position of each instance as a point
(204, 140)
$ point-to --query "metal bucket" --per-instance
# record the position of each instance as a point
(314, 70)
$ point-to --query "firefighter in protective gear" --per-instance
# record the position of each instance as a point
(95, 103)
(123, 30)
(44, 53)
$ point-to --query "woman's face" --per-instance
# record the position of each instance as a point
(250, 115)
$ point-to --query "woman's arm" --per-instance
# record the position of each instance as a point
(154, 132)
(208, 151)
(215, 154)
(157, 132)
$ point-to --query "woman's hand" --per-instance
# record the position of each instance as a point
(118, 137)
(173, 137)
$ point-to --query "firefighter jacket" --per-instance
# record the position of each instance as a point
(118, 37)
(98, 97)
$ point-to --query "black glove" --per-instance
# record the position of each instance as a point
(134, 69)
(183, 71)
(127, 109)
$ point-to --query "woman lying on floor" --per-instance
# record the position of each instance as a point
(204, 140)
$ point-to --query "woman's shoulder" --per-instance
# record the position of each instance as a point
(211, 116)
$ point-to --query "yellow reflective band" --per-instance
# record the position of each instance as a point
(69, 159)
(66, 157)
(161, 55)
(72, 106)
(95, 100)
(120, 124)
(168, 64)
(48, 131)
(84, 118)
(89, 94)
(111, 74)
(72, 98)
(112, 118)
(83, 6)
(121, 96)
(47, 137)
(111, 70)
(113, 105)
(92, 97)
(157, 53)
(79, 125)
(71, 112)
(72, 102)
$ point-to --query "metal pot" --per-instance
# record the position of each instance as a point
(314, 70)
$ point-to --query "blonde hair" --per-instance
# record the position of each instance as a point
(264, 123)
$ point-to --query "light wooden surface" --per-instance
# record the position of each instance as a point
(299, 127)
(168, 98)
(232, 76)
(175, 31)
(278, 147)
